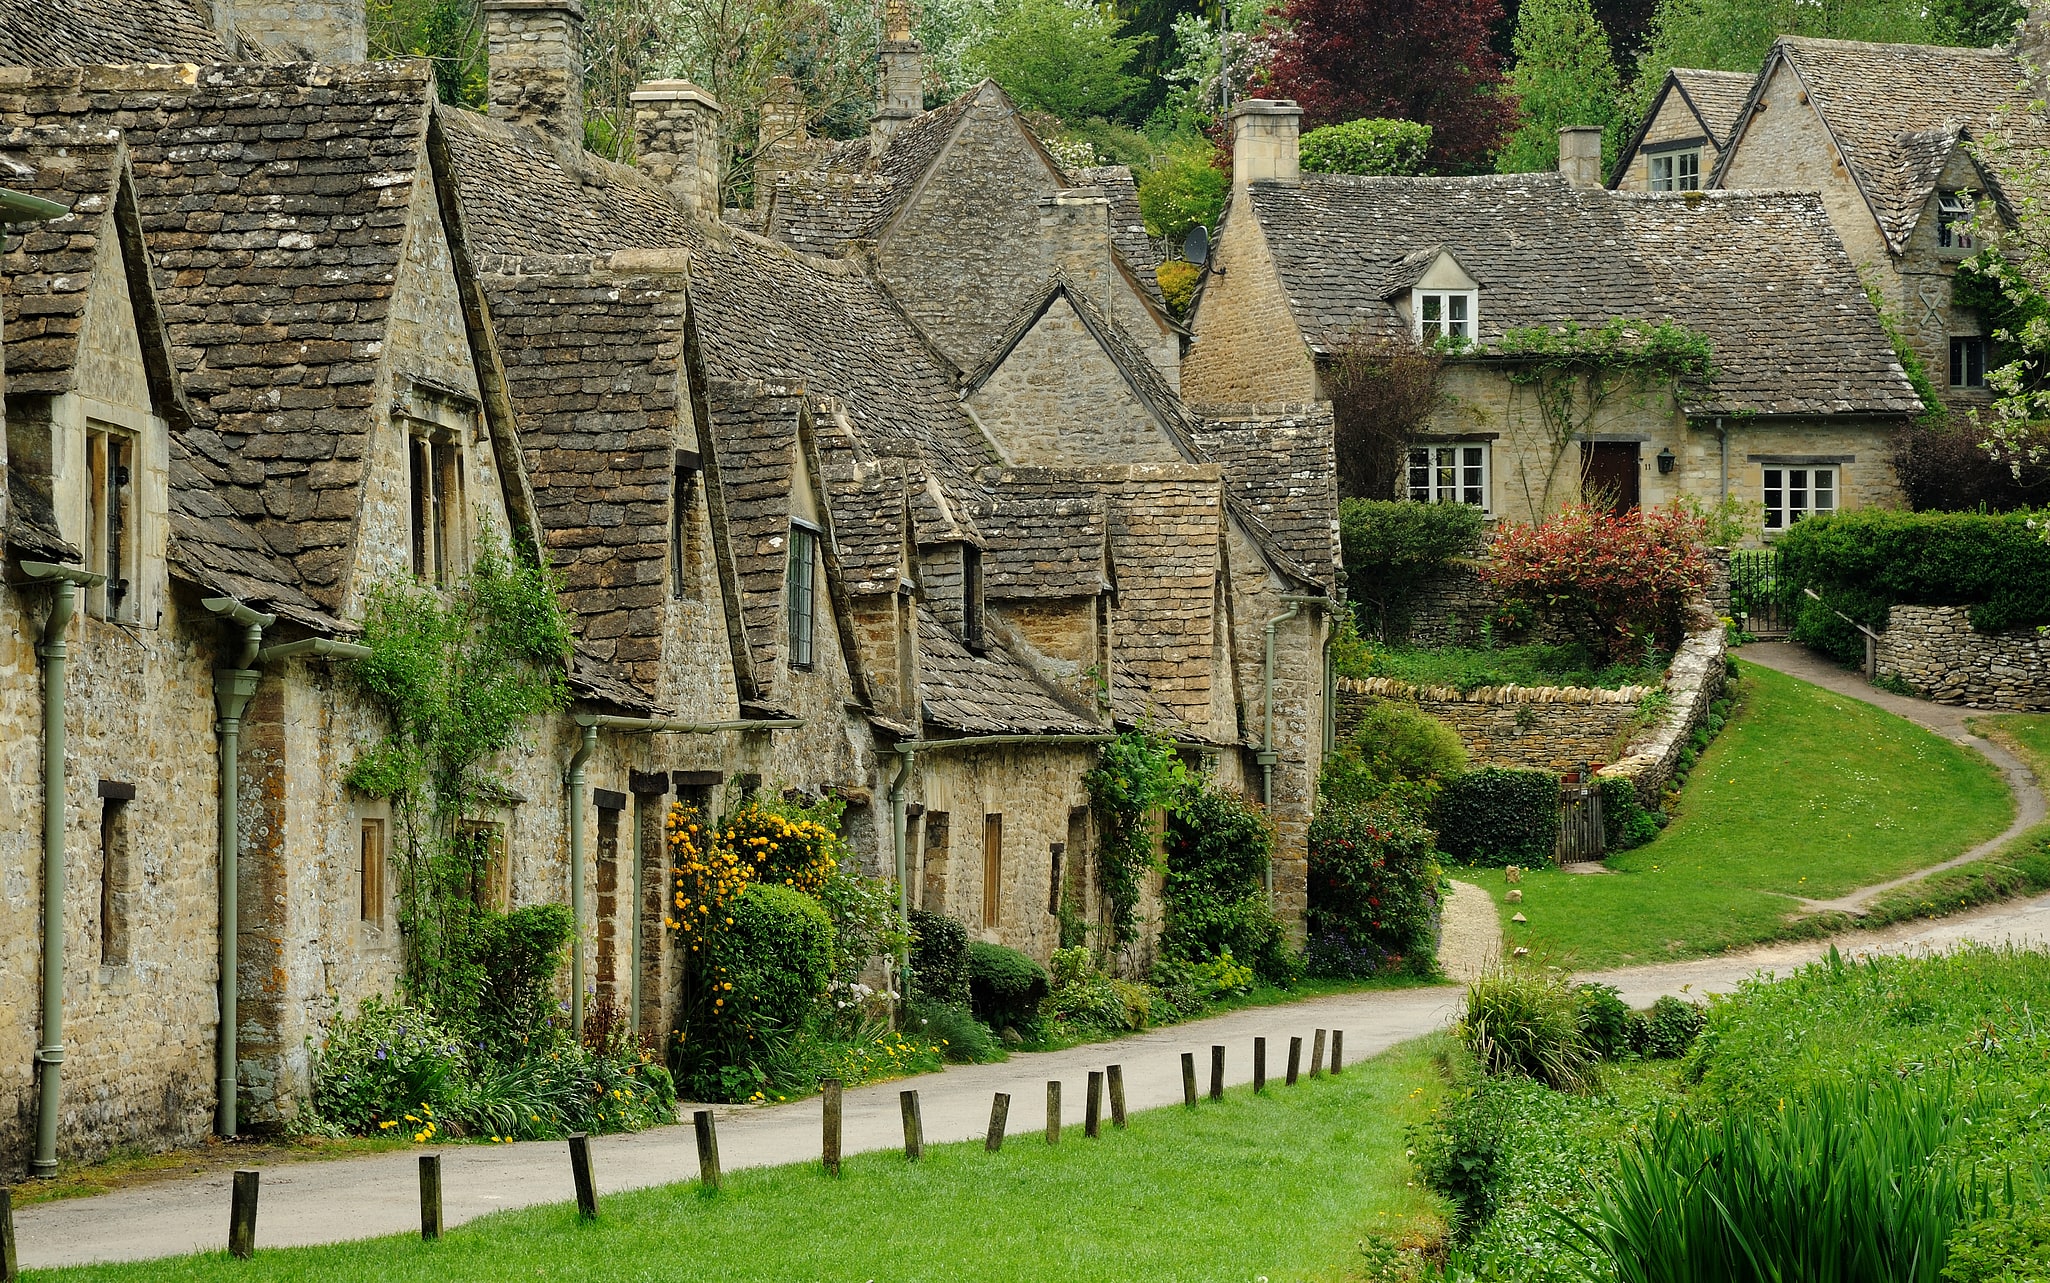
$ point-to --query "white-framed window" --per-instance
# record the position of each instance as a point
(1676, 171)
(111, 544)
(1954, 220)
(1794, 493)
(1455, 473)
(1446, 314)
(800, 593)
(1968, 361)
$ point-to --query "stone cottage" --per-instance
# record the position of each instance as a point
(1800, 413)
(1690, 123)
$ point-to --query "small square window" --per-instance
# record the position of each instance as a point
(1792, 494)
(1449, 474)
(1446, 314)
(1675, 171)
(1968, 361)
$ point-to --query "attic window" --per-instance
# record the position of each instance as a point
(800, 593)
(1954, 220)
(1676, 171)
(434, 476)
(971, 596)
(1445, 314)
(110, 537)
(682, 489)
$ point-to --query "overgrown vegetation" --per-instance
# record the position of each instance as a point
(1499, 816)
(1384, 390)
(1137, 775)
(1217, 851)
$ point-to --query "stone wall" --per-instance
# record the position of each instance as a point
(1059, 399)
(1545, 728)
(1936, 650)
(1246, 348)
(1694, 680)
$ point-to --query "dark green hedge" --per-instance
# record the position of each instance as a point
(778, 954)
(1867, 561)
(1499, 816)
(1005, 986)
(939, 959)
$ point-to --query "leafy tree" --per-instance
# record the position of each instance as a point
(1184, 189)
(1422, 60)
(1563, 76)
(447, 32)
(1060, 57)
(1384, 390)
(1395, 147)
(1976, 23)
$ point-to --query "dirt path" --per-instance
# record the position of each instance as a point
(1470, 940)
(1951, 722)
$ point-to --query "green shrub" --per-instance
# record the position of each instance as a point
(1668, 1029)
(1626, 821)
(1525, 1021)
(939, 959)
(1392, 549)
(2013, 1247)
(1498, 816)
(1005, 987)
(1184, 189)
(1373, 892)
(1396, 748)
(1392, 147)
(1083, 999)
(1464, 1151)
(1604, 1020)
(1217, 846)
(778, 956)
(516, 956)
(390, 1059)
(964, 1039)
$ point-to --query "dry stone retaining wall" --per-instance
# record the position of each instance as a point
(1935, 650)
(1547, 728)
(1694, 680)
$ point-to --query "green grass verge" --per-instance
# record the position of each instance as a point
(1806, 793)
(1286, 1187)
(1470, 669)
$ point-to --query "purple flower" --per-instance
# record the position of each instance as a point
(380, 1053)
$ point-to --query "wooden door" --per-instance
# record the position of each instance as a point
(1608, 474)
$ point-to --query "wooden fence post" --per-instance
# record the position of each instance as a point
(914, 1126)
(999, 1114)
(702, 1122)
(1092, 1109)
(1116, 1077)
(1053, 1113)
(10, 1268)
(1317, 1056)
(1295, 1059)
(580, 1172)
(430, 1197)
(1337, 1051)
(1217, 1071)
(1189, 1079)
(242, 1216)
(830, 1145)
(1259, 1065)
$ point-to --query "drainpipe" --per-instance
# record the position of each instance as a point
(65, 582)
(585, 747)
(233, 686)
(907, 754)
(1267, 757)
(1722, 436)
(318, 647)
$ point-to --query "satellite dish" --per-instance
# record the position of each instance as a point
(1196, 245)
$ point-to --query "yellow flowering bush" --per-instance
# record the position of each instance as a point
(758, 843)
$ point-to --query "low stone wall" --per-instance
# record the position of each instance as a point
(1935, 650)
(1547, 728)
(1693, 682)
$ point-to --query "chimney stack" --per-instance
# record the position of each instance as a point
(1580, 155)
(785, 144)
(330, 31)
(676, 129)
(537, 65)
(1266, 141)
(901, 79)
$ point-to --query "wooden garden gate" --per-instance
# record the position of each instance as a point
(1580, 819)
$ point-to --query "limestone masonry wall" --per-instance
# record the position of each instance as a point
(1935, 650)
(1544, 728)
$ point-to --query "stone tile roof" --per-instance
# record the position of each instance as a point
(522, 202)
(69, 33)
(273, 199)
(1897, 111)
(756, 428)
(987, 694)
(1283, 467)
(50, 270)
(853, 194)
(1043, 536)
(1547, 253)
(870, 507)
(1717, 98)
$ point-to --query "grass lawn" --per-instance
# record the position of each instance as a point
(1470, 668)
(1286, 1188)
(1804, 794)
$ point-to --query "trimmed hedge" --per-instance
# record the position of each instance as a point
(1499, 816)
(1005, 987)
(778, 954)
(1867, 561)
(939, 959)
(1390, 147)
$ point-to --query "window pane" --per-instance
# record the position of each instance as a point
(1472, 484)
(1797, 493)
(1420, 475)
(1455, 306)
(1445, 484)
(1662, 173)
(799, 593)
(1825, 490)
(1434, 307)
(1688, 177)
(1775, 500)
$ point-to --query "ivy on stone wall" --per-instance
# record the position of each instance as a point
(1137, 774)
(460, 676)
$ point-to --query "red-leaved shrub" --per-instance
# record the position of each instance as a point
(1617, 581)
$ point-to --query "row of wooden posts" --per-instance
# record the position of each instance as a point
(242, 1204)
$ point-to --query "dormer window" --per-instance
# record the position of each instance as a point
(1954, 221)
(800, 593)
(1445, 314)
(971, 596)
(111, 546)
(434, 475)
(1676, 171)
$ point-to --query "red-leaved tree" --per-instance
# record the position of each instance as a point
(1424, 60)
(1619, 581)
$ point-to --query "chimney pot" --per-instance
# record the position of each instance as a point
(676, 131)
(536, 57)
(1266, 141)
(1580, 155)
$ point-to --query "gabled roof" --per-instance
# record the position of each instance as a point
(70, 33)
(1043, 536)
(1716, 98)
(1412, 267)
(758, 458)
(989, 693)
(1554, 254)
(1896, 113)
(1282, 466)
(854, 194)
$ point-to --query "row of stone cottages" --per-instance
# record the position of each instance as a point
(833, 512)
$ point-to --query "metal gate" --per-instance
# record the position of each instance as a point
(1580, 820)
(1760, 602)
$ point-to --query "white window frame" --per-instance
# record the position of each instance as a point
(1681, 170)
(1954, 214)
(1794, 492)
(1449, 472)
(1446, 314)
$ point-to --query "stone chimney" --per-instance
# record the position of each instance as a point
(537, 65)
(676, 130)
(901, 76)
(785, 144)
(1266, 141)
(330, 31)
(1580, 155)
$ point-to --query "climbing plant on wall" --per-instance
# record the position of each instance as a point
(460, 675)
(1576, 371)
(1137, 775)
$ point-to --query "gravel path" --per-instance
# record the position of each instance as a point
(1471, 938)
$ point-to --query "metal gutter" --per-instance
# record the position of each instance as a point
(671, 726)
